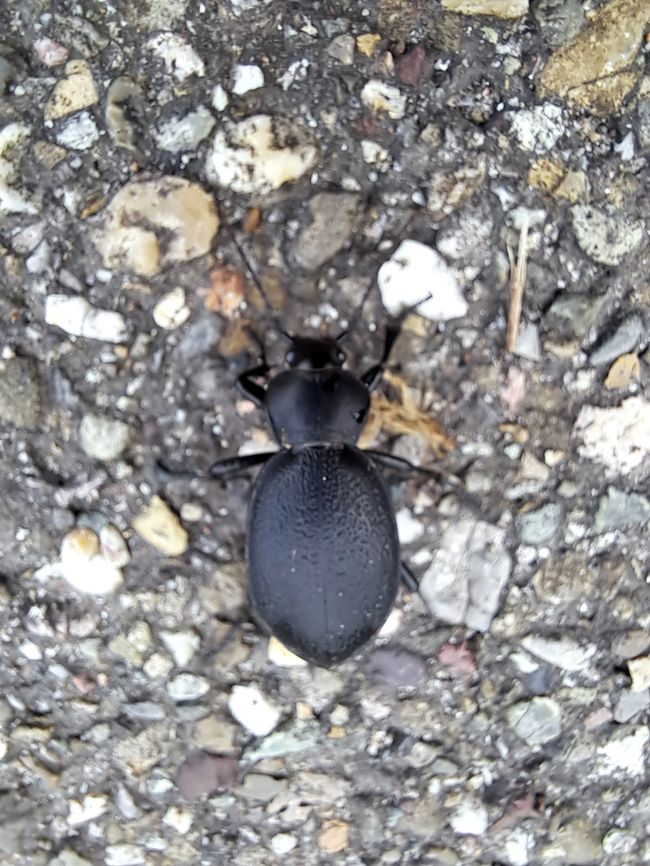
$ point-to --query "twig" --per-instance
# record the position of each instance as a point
(517, 286)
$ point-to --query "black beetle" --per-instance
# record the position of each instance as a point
(322, 547)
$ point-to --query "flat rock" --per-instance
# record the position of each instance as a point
(618, 509)
(20, 392)
(537, 721)
(72, 93)
(333, 218)
(151, 224)
(625, 338)
(564, 653)
(539, 526)
(181, 134)
(498, 8)
(103, 438)
(538, 129)
(258, 155)
(464, 582)
(605, 238)
(253, 710)
(180, 59)
(202, 773)
(384, 99)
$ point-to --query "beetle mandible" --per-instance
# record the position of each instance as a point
(322, 548)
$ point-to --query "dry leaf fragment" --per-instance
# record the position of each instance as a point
(403, 416)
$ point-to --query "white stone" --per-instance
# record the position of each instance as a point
(180, 59)
(624, 753)
(470, 819)
(91, 807)
(182, 645)
(178, 819)
(617, 437)
(171, 311)
(124, 854)
(414, 271)
(3, 747)
(246, 77)
(282, 843)
(219, 98)
(12, 199)
(382, 97)
(74, 315)
(188, 687)
(517, 846)
(185, 133)
(564, 653)
(258, 155)
(30, 651)
(103, 438)
(253, 710)
(467, 574)
(374, 154)
(240, 7)
(282, 656)
(84, 567)
(538, 128)
(78, 133)
(113, 546)
(409, 528)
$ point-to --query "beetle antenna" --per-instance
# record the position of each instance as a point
(260, 288)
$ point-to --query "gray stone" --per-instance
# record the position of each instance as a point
(617, 509)
(342, 49)
(605, 239)
(333, 216)
(528, 345)
(199, 338)
(284, 743)
(643, 110)
(539, 526)
(395, 666)
(630, 703)
(624, 339)
(20, 392)
(179, 134)
(257, 786)
(579, 312)
(537, 721)
(559, 20)
(467, 574)
(7, 73)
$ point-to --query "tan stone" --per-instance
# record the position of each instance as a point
(333, 837)
(160, 527)
(367, 43)
(498, 8)
(72, 93)
(153, 223)
(591, 71)
(625, 370)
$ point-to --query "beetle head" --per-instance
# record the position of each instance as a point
(314, 353)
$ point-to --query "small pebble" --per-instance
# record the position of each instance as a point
(624, 339)
(565, 653)
(341, 48)
(171, 311)
(103, 438)
(202, 773)
(539, 526)
(180, 59)
(83, 566)
(74, 315)
(281, 656)
(178, 819)
(78, 133)
(537, 721)
(253, 710)
(471, 818)
(630, 703)
(113, 546)
(124, 855)
(160, 527)
(616, 437)
(282, 843)
(182, 645)
(639, 669)
(188, 687)
(333, 837)
(246, 77)
(394, 666)
(384, 98)
(181, 134)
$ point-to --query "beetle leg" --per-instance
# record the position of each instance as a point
(451, 482)
(407, 577)
(250, 389)
(234, 465)
(372, 376)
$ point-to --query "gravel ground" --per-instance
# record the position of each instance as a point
(501, 717)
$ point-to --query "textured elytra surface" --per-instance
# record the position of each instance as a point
(323, 553)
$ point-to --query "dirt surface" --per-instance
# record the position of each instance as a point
(501, 717)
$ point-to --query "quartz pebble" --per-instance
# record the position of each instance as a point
(281, 656)
(253, 710)
(171, 311)
(78, 133)
(180, 59)
(258, 155)
(181, 134)
(564, 652)
(74, 315)
(151, 224)
(84, 567)
(414, 271)
(246, 77)
(471, 818)
(159, 526)
(181, 644)
(103, 438)
(640, 672)
(384, 98)
(616, 437)
(188, 687)
(124, 854)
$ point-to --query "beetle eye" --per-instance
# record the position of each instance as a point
(291, 357)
